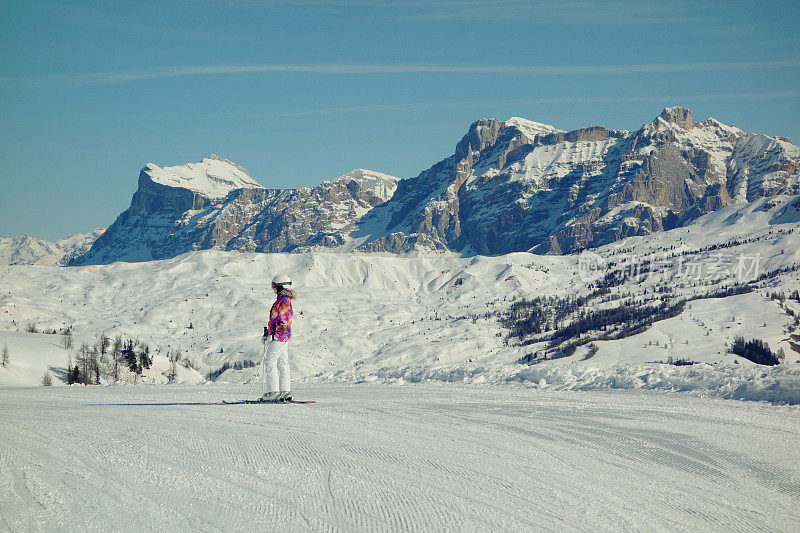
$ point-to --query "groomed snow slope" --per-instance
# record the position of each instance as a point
(392, 458)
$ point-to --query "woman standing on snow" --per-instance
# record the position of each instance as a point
(276, 342)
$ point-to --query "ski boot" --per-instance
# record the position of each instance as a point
(285, 396)
(270, 397)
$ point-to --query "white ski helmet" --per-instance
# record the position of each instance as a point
(281, 279)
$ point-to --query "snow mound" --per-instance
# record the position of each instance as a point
(779, 384)
(30, 356)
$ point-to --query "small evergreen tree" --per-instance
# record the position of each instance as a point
(103, 344)
(47, 379)
(144, 359)
(73, 375)
(66, 339)
(130, 358)
(5, 356)
(116, 351)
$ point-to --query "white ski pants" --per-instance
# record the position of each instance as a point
(276, 359)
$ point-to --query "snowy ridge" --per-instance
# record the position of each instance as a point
(513, 185)
(213, 177)
(370, 177)
(174, 215)
(26, 250)
(557, 192)
(531, 128)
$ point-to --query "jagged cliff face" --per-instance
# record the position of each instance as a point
(513, 185)
(518, 185)
(216, 204)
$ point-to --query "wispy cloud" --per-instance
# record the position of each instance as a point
(686, 99)
(616, 12)
(126, 76)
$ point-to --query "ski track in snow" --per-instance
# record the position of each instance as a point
(390, 457)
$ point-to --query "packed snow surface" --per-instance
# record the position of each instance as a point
(389, 458)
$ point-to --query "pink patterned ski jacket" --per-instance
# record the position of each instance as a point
(280, 317)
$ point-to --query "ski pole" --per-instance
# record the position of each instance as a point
(258, 371)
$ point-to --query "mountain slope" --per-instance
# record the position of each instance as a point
(513, 185)
(26, 250)
(215, 204)
(374, 315)
(509, 187)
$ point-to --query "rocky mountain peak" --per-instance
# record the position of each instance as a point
(365, 176)
(530, 128)
(368, 185)
(513, 185)
(482, 133)
(680, 116)
(24, 249)
(212, 178)
(215, 157)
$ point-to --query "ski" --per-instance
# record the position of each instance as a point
(240, 402)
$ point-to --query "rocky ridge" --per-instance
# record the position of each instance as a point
(23, 249)
(509, 188)
(228, 210)
(513, 185)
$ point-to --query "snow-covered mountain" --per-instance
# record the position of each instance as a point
(517, 185)
(26, 250)
(513, 185)
(215, 204)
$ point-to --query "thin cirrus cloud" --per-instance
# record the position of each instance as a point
(410, 106)
(133, 75)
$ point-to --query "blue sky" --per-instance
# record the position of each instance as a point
(298, 91)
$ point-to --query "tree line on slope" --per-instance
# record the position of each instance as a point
(106, 359)
(755, 350)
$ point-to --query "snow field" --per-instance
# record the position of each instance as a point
(30, 356)
(349, 307)
(388, 458)
(385, 317)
